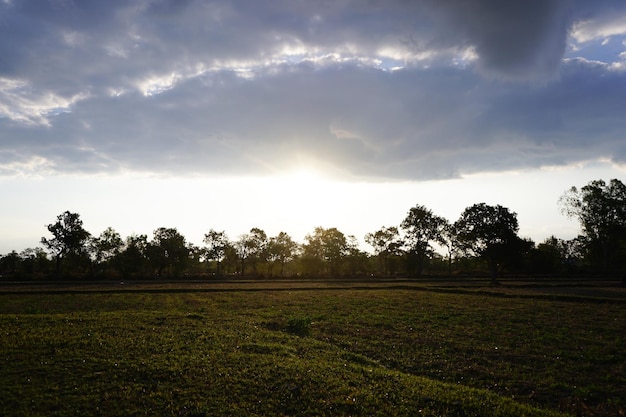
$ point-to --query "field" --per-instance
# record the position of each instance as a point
(281, 348)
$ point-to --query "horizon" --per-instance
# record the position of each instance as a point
(538, 220)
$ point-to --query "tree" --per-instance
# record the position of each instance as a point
(450, 242)
(106, 247)
(489, 232)
(356, 261)
(601, 211)
(9, 263)
(324, 250)
(422, 228)
(257, 248)
(168, 251)
(68, 240)
(230, 264)
(281, 249)
(133, 257)
(312, 258)
(387, 246)
(548, 257)
(216, 244)
(250, 248)
(34, 261)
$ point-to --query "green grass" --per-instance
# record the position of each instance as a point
(324, 352)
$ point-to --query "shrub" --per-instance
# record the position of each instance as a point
(300, 326)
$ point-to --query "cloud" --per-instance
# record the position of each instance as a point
(410, 90)
(601, 27)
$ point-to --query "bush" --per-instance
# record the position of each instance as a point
(300, 326)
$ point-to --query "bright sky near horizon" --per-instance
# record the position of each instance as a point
(286, 115)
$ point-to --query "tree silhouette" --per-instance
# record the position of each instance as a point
(324, 251)
(601, 210)
(132, 260)
(68, 240)
(387, 246)
(422, 228)
(257, 248)
(449, 240)
(168, 251)
(489, 232)
(216, 244)
(281, 249)
(106, 247)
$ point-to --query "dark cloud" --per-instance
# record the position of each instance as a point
(518, 38)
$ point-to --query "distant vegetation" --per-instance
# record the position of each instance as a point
(484, 240)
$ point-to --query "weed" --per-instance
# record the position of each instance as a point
(299, 325)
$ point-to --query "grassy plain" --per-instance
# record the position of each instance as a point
(197, 351)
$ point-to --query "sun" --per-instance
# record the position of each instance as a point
(304, 177)
(302, 197)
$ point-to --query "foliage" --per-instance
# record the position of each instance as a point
(257, 248)
(324, 250)
(299, 325)
(106, 247)
(68, 240)
(281, 249)
(489, 232)
(168, 251)
(601, 210)
(251, 248)
(133, 258)
(387, 246)
(422, 228)
(216, 244)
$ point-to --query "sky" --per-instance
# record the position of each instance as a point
(291, 114)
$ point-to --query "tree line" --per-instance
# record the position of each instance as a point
(484, 240)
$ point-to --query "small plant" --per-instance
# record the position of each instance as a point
(300, 326)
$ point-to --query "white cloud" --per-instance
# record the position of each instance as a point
(31, 167)
(20, 102)
(602, 27)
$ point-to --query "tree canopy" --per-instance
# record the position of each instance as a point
(68, 240)
(422, 228)
(489, 232)
(600, 209)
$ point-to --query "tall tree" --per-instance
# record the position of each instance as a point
(601, 211)
(69, 239)
(325, 249)
(450, 242)
(387, 246)
(422, 228)
(216, 244)
(243, 247)
(168, 251)
(357, 262)
(489, 232)
(257, 245)
(106, 247)
(251, 248)
(281, 249)
(133, 258)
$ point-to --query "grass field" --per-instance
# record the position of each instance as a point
(191, 351)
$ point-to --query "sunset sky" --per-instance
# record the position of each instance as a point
(286, 115)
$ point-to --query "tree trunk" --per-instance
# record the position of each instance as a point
(493, 270)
